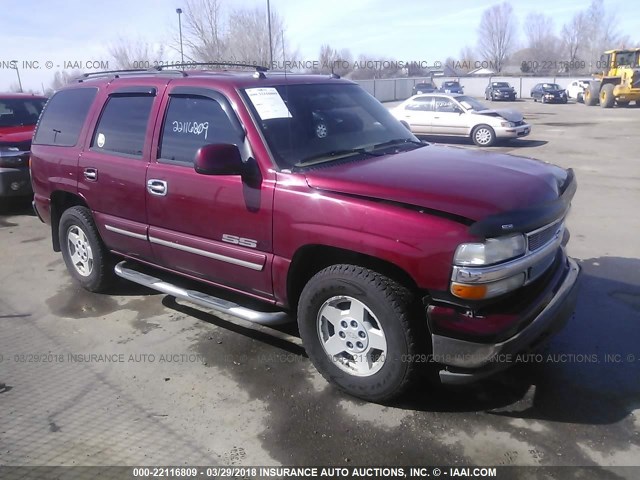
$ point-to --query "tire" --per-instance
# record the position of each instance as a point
(380, 331)
(483, 136)
(591, 94)
(535, 100)
(84, 254)
(607, 98)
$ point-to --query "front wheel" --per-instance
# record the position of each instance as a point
(483, 136)
(84, 254)
(355, 325)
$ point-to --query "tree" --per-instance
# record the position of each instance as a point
(573, 35)
(496, 34)
(62, 78)
(334, 61)
(136, 53)
(543, 47)
(240, 36)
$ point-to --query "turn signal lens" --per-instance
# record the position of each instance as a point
(469, 292)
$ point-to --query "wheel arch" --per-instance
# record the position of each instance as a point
(60, 201)
(310, 259)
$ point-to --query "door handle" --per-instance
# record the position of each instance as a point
(91, 174)
(157, 187)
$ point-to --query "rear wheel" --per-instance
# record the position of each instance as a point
(84, 254)
(356, 328)
(607, 98)
(483, 136)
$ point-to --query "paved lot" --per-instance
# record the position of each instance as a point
(181, 385)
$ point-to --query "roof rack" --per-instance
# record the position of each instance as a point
(126, 72)
(257, 68)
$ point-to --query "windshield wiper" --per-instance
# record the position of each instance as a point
(334, 155)
(399, 141)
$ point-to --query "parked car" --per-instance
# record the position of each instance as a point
(576, 89)
(388, 251)
(18, 117)
(499, 91)
(451, 87)
(424, 87)
(548, 93)
(460, 116)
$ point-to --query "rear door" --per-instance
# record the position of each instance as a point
(217, 228)
(112, 167)
(419, 114)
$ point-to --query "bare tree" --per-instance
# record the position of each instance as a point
(543, 47)
(213, 34)
(573, 37)
(496, 34)
(334, 61)
(467, 60)
(248, 36)
(204, 30)
(62, 78)
(136, 53)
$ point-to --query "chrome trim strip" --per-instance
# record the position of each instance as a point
(474, 275)
(139, 236)
(204, 253)
(13, 153)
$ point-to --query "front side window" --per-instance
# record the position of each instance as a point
(122, 126)
(321, 121)
(64, 116)
(446, 105)
(190, 123)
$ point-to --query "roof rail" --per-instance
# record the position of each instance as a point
(126, 72)
(257, 68)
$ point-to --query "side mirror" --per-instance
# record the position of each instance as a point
(218, 159)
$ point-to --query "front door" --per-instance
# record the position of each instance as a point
(216, 228)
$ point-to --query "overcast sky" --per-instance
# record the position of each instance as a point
(80, 30)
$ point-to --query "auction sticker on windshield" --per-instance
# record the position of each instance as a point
(268, 103)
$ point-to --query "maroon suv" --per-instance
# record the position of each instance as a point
(19, 114)
(305, 194)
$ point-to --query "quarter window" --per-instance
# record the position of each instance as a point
(63, 117)
(190, 123)
(123, 125)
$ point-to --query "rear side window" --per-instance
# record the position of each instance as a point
(190, 123)
(63, 117)
(122, 126)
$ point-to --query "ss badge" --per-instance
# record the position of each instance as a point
(243, 242)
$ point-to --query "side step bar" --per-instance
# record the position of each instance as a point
(199, 298)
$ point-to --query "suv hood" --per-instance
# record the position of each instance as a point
(17, 134)
(460, 182)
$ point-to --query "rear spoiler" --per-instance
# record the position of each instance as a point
(530, 218)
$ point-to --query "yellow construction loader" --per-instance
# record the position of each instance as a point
(618, 80)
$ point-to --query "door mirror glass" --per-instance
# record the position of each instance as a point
(218, 159)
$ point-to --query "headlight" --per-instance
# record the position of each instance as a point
(508, 124)
(493, 250)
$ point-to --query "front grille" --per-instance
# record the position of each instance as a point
(541, 237)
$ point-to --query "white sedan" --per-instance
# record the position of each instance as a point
(460, 116)
(576, 89)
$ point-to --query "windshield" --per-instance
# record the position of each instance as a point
(471, 103)
(318, 122)
(500, 84)
(15, 112)
(551, 86)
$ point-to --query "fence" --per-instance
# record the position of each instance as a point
(391, 89)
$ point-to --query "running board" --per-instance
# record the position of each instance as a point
(202, 299)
